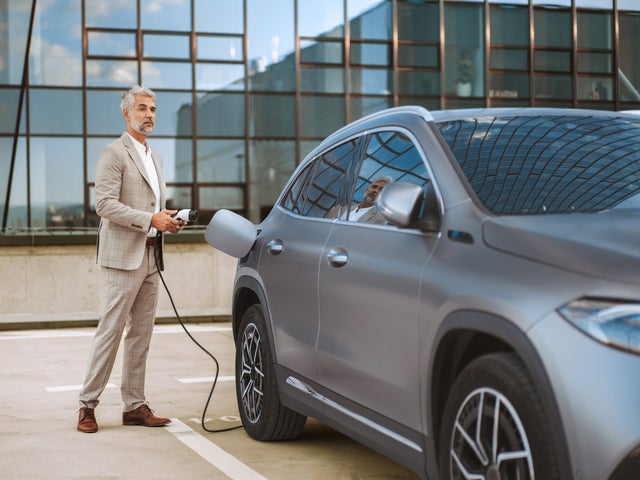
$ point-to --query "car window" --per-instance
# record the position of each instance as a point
(390, 156)
(548, 164)
(319, 188)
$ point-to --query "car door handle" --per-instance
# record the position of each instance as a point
(337, 257)
(275, 247)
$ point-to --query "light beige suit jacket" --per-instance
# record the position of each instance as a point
(125, 202)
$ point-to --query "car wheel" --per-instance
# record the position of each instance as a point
(263, 416)
(494, 426)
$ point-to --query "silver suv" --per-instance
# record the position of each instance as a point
(458, 290)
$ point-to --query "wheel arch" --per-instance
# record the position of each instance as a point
(248, 291)
(463, 337)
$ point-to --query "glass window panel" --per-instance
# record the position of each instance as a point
(628, 59)
(221, 114)
(321, 19)
(595, 3)
(306, 147)
(6, 151)
(271, 44)
(595, 88)
(9, 99)
(216, 198)
(322, 80)
(595, 62)
(56, 181)
(321, 52)
(370, 19)
(552, 61)
(17, 218)
(418, 21)
(94, 148)
(15, 19)
(509, 25)
(370, 54)
(167, 15)
(56, 46)
(361, 106)
(552, 3)
(47, 107)
(320, 116)
(167, 75)
(103, 113)
(509, 59)
(111, 73)
(371, 81)
(167, 46)
(179, 198)
(553, 87)
(219, 76)
(174, 114)
(220, 48)
(418, 83)
(221, 161)
(629, 5)
(595, 30)
(275, 160)
(176, 155)
(509, 85)
(208, 18)
(552, 27)
(111, 44)
(417, 56)
(272, 116)
(110, 14)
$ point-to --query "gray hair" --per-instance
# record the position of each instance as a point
(385, 179)
(128, 98)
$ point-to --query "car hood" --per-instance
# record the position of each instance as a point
(604, 245)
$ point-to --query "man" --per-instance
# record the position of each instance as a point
(366, 210)
(130, 197)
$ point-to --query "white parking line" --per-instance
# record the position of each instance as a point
(223, 461)
(230, 378)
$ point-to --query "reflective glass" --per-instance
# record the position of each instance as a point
(370, 19)
(172, 75)
(509, 25)
(552, 27)
(111, 73)
(208, 17)
(55, 111)
(628, 57)
(320, 116)
(17, 218)
(272, 116)
(371, 81)
(103, 113)
(173, 116)
(322, 80)
(215, 198)
(361, 106)
(176, 155)
(418, 83)
(56, 45)
(595, 3)
(56, 181)
(595, 62)
(271, 43)
(321, 19)
(275, 160)
(179, 198)
(219, 76)
(552, 3)
(6, 152)
(166, 15)
(94, 148)
(15, 16)
(553, 87)
(111, 44)
(595, 88)
(509, 59)
(321, 52)
(418, 21)
(221, 114)
(417, 56)
(509, 85)
(552, 61)
(9, 98)
(595, 30)
(220, 48)
(221, 161)
(121, 14)
(166, 46)
(370, 54)
(629, 5)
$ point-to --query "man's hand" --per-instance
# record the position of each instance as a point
(163, 222)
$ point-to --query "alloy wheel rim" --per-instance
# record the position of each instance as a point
(489, 441)
(252, 376)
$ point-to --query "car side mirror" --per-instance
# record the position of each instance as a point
(407, 205)
(231, 233)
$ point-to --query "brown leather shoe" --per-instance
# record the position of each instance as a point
(143, 415)
(87, 420)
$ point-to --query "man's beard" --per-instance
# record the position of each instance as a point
(140, 127)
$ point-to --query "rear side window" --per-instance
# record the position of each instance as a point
(548, 164)
(319, 188)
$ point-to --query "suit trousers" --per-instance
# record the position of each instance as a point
(129, 300)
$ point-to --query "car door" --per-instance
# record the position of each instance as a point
(369, 294)
(291, 253)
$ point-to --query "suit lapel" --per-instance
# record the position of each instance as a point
(133, 154)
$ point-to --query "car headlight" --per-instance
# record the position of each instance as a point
(613, 323)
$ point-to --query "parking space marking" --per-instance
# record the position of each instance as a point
(228, 378)
(212, 453)
(72, 388)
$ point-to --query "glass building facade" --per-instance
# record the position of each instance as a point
(247, 87)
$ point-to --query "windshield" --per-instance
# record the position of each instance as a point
(549, 164)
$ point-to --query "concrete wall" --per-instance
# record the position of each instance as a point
(56, 285)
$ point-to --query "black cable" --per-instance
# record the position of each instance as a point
(156, 251)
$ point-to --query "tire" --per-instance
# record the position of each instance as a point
(263, 416)
(496, 391)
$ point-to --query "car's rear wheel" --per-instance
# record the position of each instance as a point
(263, 415)
(494, 426)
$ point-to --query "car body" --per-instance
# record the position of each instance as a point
(489, 328)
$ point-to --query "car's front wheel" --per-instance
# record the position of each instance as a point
(263, 415)
(494, 426)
